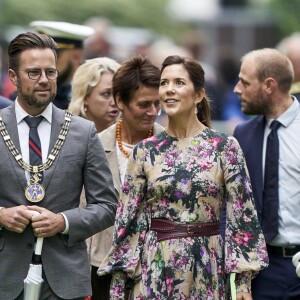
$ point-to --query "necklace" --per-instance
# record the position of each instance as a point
(182, 137)
(119, 138)
(35, 192)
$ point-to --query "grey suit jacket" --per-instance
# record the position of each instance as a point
(81, 161)
(102, 241)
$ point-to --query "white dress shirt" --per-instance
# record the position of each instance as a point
(289, 175)
(44, 131)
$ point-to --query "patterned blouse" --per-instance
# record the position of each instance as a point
(186, 180)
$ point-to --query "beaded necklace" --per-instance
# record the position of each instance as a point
(119, 138)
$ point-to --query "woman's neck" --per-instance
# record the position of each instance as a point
(131, 136)
(184, 129)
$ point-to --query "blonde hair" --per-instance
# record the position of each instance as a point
(86, 77)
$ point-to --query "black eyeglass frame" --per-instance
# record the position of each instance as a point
(35, 73)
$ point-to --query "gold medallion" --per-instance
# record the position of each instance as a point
(34, 192)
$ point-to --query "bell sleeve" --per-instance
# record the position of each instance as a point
(245, 247)
(131, 226)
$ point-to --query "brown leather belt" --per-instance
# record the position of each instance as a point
(167, 229)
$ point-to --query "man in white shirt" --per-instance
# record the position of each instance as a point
(265, 80)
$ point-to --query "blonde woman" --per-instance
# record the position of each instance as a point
(92, 99)
(92, 92)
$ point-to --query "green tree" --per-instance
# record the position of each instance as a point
(286, 16)
(132, 13)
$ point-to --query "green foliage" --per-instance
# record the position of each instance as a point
(286, 15)
(132, 13)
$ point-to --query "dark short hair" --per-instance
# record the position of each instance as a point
(25, 41)
(132, 74)
(197, 76)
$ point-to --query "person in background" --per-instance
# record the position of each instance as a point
(69, 39)
(31, 126)
(135, 91)
(167, 229)
(98, 44)
(290, 46)
(265, 79)
(92, 99)
(92, 92)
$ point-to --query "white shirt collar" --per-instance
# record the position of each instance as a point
(289, 115)
(21, 113)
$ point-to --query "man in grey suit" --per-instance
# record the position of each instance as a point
(71, 156)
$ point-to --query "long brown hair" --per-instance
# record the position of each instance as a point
(196, 74)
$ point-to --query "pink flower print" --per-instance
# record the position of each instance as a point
(232, 159)
(238, 204)
(158, 146)
(164, 202)
(125, 188)
(183, 261)
(209, 210)
(152, 138)
(243, 238)
(216, 141)
(121, 232)
(212, 190)
(117, 291)
(232, 265)
(169, 282)
(206, 166)
(170, 162)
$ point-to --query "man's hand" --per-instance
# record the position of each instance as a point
(46, 223)
(243, 296)
(15, 218)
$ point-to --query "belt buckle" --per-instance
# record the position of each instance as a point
(190, 229)
(284, 254)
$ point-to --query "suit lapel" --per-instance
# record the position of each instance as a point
(57, 121)
(9, 118)
(255, 158)
(108, 141)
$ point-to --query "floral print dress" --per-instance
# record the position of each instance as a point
(186, 180)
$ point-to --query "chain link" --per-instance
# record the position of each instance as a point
(51, 157)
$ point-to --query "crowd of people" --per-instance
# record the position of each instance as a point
(135, 193)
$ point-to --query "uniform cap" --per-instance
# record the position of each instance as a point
(66, 35)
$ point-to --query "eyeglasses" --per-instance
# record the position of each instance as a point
(35, 74)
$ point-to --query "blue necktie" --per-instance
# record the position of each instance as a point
(35, 151)
(271, 198)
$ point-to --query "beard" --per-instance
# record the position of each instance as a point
(32, 101)
(256, 106)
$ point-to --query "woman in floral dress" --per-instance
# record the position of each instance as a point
(167, 235)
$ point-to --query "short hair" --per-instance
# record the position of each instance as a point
(272, 63)
(25, 41)
(197, 76)
(86, 78)
(132, 74)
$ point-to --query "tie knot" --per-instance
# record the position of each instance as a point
(275, 125)
(33, 122)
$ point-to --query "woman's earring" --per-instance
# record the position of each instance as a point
(85, 109)
(196, 109)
